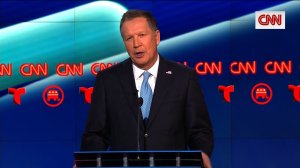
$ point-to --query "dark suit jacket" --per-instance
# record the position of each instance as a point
(178, 117)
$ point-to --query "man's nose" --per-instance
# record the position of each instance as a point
(136, 42)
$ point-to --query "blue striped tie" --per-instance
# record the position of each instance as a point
(146, 94)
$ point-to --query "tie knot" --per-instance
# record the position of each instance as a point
(146, 75)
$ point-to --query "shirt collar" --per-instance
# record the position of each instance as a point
(153, 70)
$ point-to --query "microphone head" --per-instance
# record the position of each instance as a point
(140, 101)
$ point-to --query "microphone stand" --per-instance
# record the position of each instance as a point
(140, 103)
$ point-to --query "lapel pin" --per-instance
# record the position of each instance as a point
(169, 72)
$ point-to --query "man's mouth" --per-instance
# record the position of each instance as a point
(139, 54)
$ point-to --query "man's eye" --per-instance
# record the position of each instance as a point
(142, 35)
(128, 38)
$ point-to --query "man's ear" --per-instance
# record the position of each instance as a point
(157, 34)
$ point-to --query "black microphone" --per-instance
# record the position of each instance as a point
(139, 103)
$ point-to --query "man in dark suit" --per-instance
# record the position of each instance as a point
(174, 114)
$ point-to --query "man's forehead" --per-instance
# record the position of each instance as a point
(139, 21)
(135, 26)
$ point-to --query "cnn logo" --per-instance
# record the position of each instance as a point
(270, 20)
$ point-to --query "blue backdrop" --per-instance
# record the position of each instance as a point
(246, 134)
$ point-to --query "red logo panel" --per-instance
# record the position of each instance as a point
(261, 93)
(53, 96)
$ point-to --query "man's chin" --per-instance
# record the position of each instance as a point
(140, 65)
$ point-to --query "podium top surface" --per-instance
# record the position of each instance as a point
(143, 158)
(140, 151)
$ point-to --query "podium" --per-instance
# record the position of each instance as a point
(186, 158)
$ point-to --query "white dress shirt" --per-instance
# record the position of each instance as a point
(138, 76)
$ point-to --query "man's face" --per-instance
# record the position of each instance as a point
(141, 42)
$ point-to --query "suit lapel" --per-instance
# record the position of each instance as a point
(161, 87)
(128, 84)
(164, 77)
